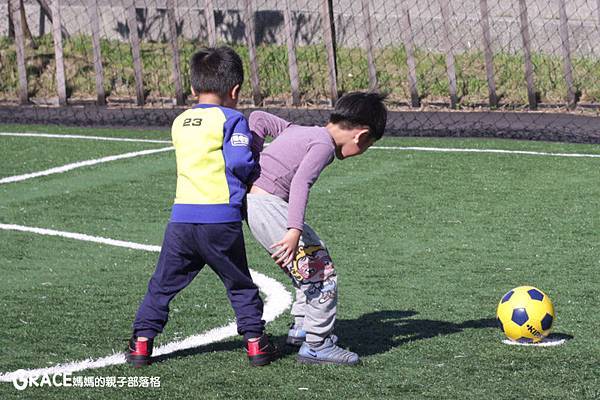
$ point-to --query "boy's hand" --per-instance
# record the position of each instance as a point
(288, 246)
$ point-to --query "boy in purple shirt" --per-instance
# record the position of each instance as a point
(277, 201)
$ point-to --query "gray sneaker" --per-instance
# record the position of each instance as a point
(326, 353)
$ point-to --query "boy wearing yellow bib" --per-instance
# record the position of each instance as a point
(214, 166)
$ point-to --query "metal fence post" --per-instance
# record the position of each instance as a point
(20, 48)
(95, 27)
(291, 52)
(450, 69)
(409, 47)
(329, 37)
(209, 14)
(251, 42)
(566, 53)
(488, 54)
(58, 54)
(527, 54)
(369, 45)
(134, 39)
(179, 98)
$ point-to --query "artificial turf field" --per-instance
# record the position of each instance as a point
(425, 244)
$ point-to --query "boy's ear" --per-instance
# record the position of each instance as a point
(235, 92)
(194, 94)
(361, 136)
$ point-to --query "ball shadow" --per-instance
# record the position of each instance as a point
(560, 336)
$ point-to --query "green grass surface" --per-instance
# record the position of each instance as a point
(154, 134)
(425, 245)
(35, 154)
(392, 72)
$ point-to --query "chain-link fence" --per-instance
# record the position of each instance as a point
(468, 55)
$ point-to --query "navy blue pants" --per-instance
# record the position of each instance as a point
(186, 249)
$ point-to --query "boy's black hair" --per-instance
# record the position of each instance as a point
(361, 109)
(216, 70)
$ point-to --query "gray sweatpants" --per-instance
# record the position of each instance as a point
(312, 271)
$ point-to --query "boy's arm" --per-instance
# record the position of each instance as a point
(263, 124)
(237, 151)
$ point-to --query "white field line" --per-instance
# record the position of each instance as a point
(401, 148)
(494, 151)
(103, 138)
(79, 164)
(277, 300)
(80, 236)
(544, 343)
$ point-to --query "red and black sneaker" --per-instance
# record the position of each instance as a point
(139, 352)
(261, 351)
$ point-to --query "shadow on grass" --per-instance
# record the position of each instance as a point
(381, 331)
(560, 336)
(372, 333)
(230, 345)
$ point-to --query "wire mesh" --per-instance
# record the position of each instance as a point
(426, 54)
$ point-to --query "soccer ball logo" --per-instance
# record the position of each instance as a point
(525, 314)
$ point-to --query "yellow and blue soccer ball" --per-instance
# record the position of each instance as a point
(525, 314)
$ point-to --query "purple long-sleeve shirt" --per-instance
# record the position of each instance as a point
(292, 162)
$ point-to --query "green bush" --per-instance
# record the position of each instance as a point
(392, 72)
